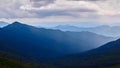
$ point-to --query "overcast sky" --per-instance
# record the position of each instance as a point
(74, 11)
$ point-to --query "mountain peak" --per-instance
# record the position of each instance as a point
(16, 22)
(16, 25)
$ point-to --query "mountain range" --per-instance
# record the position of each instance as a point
(46, 43)
(25, 46)
(112, 31)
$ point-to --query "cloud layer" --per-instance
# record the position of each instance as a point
(75, 9)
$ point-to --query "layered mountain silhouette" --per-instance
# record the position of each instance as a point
(105, 30)
(106, 56)
(67, 28)
(2, 24)
(46, 43)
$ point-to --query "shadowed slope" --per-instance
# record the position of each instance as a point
(106, 56)
(46, 43)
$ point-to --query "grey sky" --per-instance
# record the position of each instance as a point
(60, 10)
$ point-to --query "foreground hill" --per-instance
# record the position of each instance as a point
(46, 43)
(11, 60)
(106, 56)
(7, 63)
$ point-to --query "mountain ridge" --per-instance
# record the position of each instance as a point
(46, 43)
(112, 31)
(106, 56)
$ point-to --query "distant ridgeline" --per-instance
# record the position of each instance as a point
(113, 31)
(32, 47)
